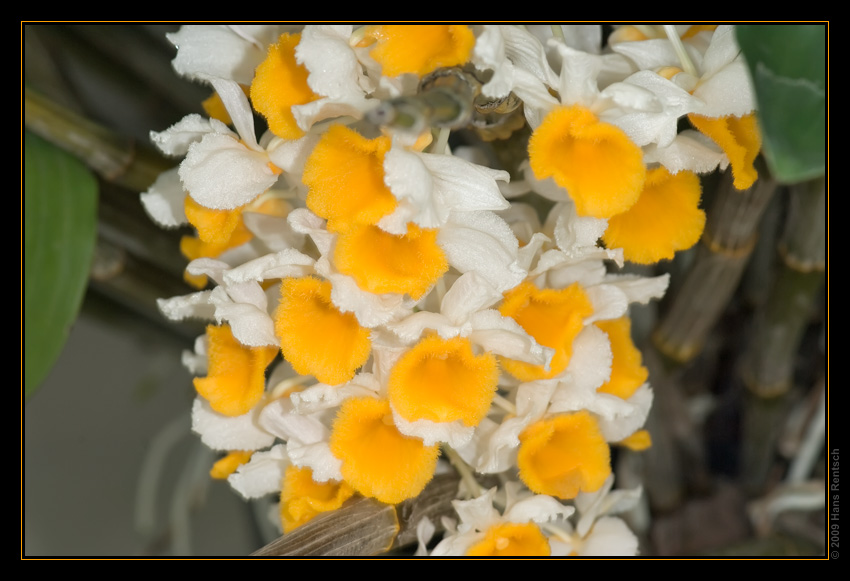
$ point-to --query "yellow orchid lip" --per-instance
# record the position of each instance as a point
(740, 140)
(317, 338)
(344, 176)
(553, 317)
(377, 460)
(235, 382)
(564, 455)
(381, 262)
(512, 540)
(596, 162)
(420, 49)
(665, 219)
(442, 380)
(627, 370)
(279, 84)
(302, 499)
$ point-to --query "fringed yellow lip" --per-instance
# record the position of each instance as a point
(228, 464)
(377, 460)
(381, 262)
(665, 219)
(512, 540)
(235, 381)
(420, 49)
(279, 84)
(315, 337)
(302, 499)
(554, 317)
(627, 370)
(442, 380)
(344, 176)
(740, 140)
(596, 162)
(564, 455)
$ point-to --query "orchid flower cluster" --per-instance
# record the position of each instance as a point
(381, 299)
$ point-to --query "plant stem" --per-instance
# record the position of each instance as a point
(114, 158)
(728, 241)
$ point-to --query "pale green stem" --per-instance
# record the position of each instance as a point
(465, 471)
(116, 158)
(504, 404)
(281, 388)
(687, 64)
(573, 540)
(558, 32)
(442, 141)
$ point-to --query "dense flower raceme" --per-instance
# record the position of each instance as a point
(378, 301)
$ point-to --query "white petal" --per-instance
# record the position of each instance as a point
(370, 309)
(309, 114)
(222, 174)
(164, 200)
(690, 150)
(477, 513)
(333, 66)
(455, 434)
(318, 458)
(590, 364)
(207, 52)
(241, 114)
(274, 231)
(249, 321)
(503, 336)
(410, 181)
(484, 243)
(411, 328)
(221, 432)
(464, 186)
(727, 92)
(290, 155)
(322, 397)
(622, 418)
(177, 139)
(262, 474)
(283, 264)
(468, 294)
(609, 302)
(640, 289)
(538, 508)
(280, 418)
(193, 306)
(610, 537)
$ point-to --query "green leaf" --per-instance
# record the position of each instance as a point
(788, 68)
(60, 223)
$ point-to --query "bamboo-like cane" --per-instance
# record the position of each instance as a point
(728, 241)
(767, 366)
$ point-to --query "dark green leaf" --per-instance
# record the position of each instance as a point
(788, 67)
(60, 222)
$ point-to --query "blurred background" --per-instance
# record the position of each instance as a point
(737, 350)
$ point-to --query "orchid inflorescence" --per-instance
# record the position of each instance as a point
(423, 307)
